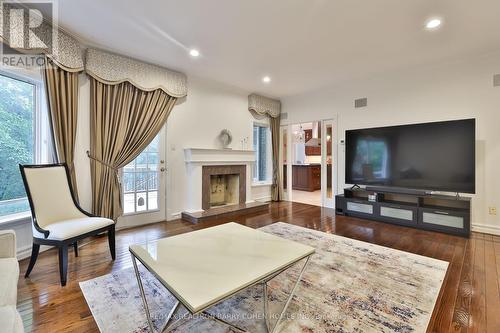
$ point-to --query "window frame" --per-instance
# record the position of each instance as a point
(268, 176)
(41, 127)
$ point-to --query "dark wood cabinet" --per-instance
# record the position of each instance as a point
(308, 134)
(306, 177)
(313, 151)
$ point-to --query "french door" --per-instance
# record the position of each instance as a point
(285, 165)
(329, 165)
(143, 185)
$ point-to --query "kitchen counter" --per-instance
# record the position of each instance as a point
(305, 177)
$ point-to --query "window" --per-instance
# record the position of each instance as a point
(24, 137)
(140, 181)
(262, 146)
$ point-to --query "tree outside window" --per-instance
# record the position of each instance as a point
(21, 136)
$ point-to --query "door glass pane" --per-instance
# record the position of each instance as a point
(152, 200)
(329, 162)
(130, 167)
(140, 181)
(141, 162)
(152, 161)
(154, 145)
(152, 181)
(128, 182)
(129, 203)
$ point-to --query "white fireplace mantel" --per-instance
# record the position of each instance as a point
(196, 158)
(224, 156)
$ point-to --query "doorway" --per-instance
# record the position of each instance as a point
(307, 158)
(144, 185)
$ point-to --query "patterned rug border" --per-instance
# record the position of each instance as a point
(305, 229)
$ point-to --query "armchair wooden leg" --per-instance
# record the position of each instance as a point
(111, 240)
(34, 255)
(75, 246)
(63, 263)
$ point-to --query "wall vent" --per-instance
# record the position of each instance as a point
(361, 102)
(283, 116)
(496, 80)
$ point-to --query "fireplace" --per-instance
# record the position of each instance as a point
(223, 185)
(224, 190)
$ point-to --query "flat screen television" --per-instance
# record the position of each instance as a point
(437, 156)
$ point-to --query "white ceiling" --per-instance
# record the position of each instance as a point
(300, 44)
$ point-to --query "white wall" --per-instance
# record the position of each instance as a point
(453, 90)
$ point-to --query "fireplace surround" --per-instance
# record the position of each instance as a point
(197, 158)
(223, 185)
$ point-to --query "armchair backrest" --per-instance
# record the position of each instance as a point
(49, 193)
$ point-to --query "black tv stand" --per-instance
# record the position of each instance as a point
(444, 213)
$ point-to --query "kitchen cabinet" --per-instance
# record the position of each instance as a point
(308, 134)
(306, 177)
(313, 151)
(316, 151)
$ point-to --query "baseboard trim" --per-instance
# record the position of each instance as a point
(135, 225)
(25, 252)
(486, 229)
(263, 199)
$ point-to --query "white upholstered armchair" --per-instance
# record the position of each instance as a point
(57, 218)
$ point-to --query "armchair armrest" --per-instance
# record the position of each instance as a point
(7, 244)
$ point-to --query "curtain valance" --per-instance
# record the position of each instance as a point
(66, 52)
(111, 68)
(264, 105)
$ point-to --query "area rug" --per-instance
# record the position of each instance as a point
(349, 286)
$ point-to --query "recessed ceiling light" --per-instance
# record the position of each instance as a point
(266, 79)
(194, 52)
(433, 23)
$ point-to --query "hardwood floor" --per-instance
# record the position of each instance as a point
(469, 300)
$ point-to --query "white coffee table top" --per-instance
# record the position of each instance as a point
(203, 267)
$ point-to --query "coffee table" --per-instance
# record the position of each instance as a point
(204, 267)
